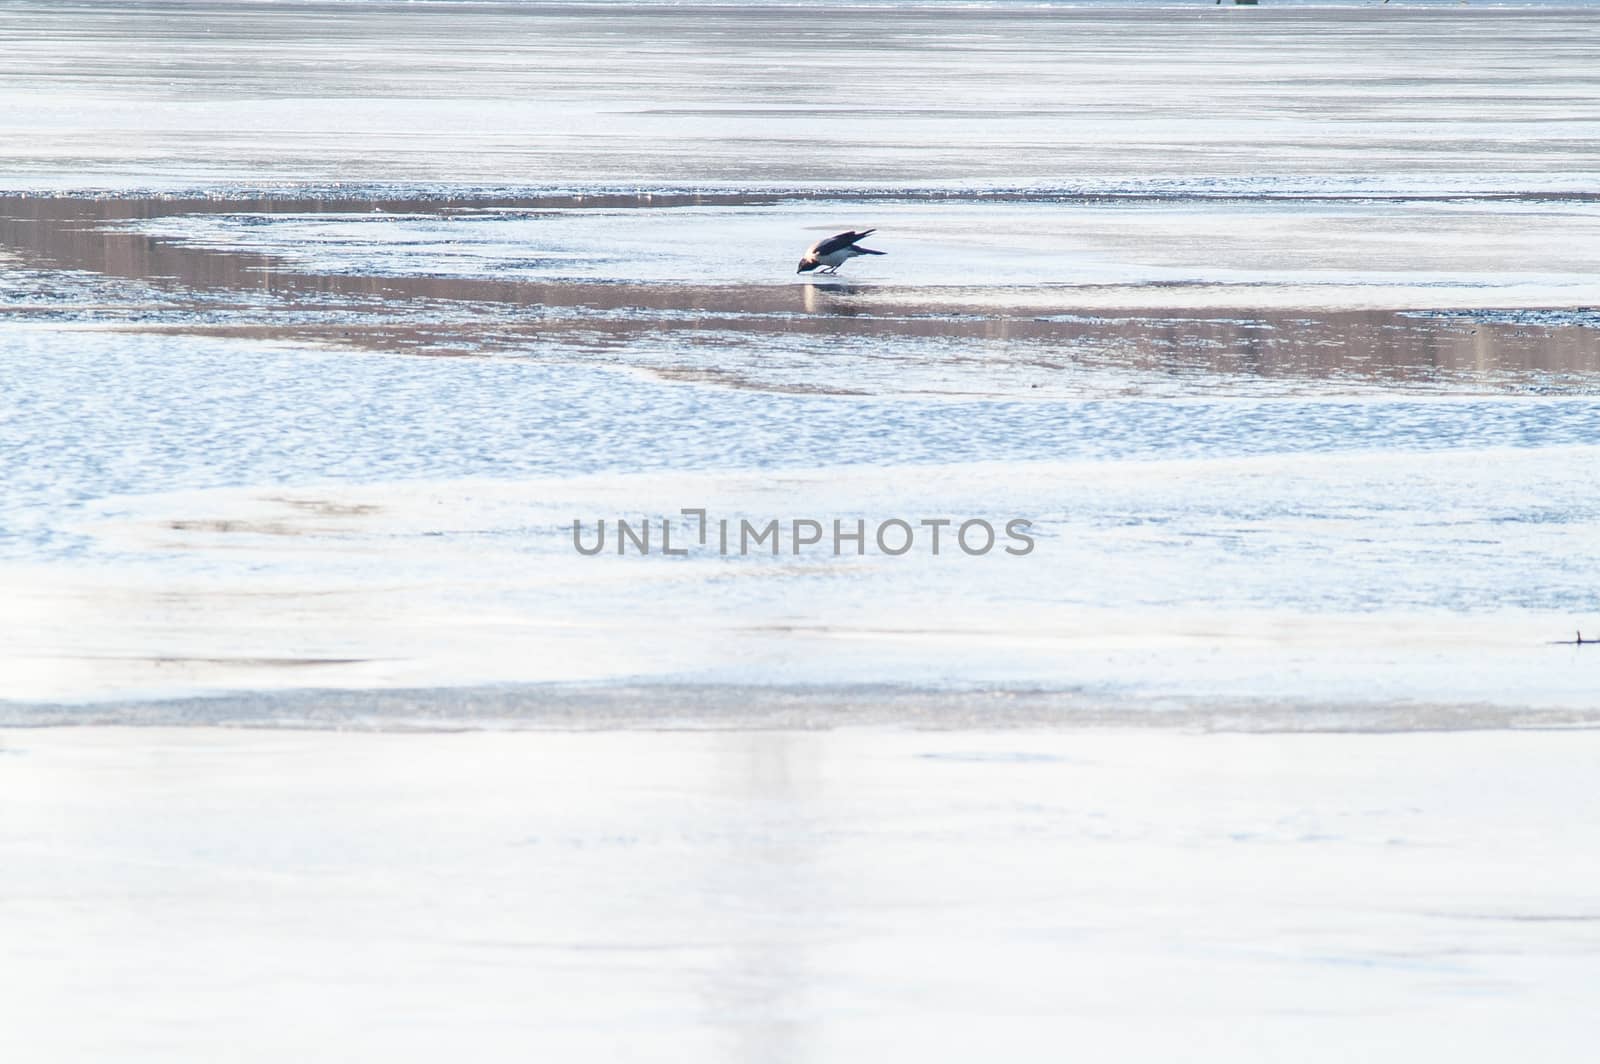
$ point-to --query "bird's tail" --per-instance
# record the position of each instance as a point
(869, 251)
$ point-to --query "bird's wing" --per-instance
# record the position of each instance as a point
(838, 242)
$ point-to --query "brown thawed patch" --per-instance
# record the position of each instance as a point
(327, 507)
(220, 525)
(320, 508)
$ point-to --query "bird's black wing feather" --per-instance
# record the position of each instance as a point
(840, 241)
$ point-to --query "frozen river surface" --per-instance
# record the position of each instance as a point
(1274, 330)
(1277, 327)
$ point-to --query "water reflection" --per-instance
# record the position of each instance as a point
(831, 297)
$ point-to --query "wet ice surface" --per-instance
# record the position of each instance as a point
(1040, 252)
(623, 287)
(844, 895)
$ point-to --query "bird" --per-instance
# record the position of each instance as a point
(836, 251)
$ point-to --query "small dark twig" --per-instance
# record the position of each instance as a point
(1578, 642)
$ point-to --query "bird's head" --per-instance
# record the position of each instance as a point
(807, 264)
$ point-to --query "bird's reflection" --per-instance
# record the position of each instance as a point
(831, 297)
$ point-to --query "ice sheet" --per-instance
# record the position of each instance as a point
(183, 94)
(844, 895)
